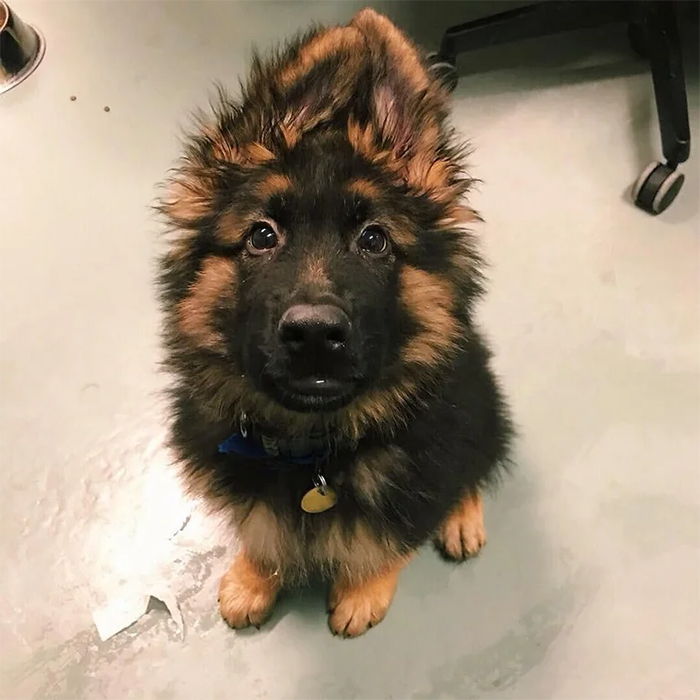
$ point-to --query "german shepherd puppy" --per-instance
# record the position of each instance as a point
(331, 393)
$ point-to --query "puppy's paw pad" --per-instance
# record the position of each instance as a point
(354, 612)
(244, 602)
(460, 541)
(463, 534)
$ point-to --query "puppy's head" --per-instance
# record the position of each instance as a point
(318, 262)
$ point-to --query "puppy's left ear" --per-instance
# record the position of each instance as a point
(407, 105)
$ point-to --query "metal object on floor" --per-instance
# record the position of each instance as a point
(21, 48)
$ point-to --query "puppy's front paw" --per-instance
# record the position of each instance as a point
(247, 595)
(355, 608)
(462, 535)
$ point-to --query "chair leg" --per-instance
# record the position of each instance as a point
(529, 22)
(659, 184)
(669, 81)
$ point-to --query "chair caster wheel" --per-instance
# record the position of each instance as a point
(657, 187)
(444, 70)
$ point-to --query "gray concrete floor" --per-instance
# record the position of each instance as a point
(589, 587)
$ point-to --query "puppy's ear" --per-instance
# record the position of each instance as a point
(320, 80)
(407, 105)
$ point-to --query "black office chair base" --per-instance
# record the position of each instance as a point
(657, 187)
(652, 30)
(444, 70)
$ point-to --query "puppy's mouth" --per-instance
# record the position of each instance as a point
(312, 394)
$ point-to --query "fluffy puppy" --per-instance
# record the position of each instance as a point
(331, 393)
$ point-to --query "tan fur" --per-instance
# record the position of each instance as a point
(221, 149)
(423, 171)
(231, 228)
(313, 273)
(364, 139)
(356, 606)
(365, 571)
(459, 215)
(274, 183)
(332, 41)
(462, 534)
(307, 112)
(254, 154)
(404, 55)
(400, 230)
(247, 594)
(430, 176)
(264, 536)
(290, 131)
(381, 409)
(190, 194)
(366, 189)
(356, 556)
(275, 543)
(217, 276)
(430, 299)
(188, 198)
(376, 470)
(403, 237)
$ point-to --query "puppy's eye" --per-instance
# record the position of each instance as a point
(261, 238)
(373, 240)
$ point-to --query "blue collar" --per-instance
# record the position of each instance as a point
(269, 449)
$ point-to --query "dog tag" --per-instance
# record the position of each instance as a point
(318, 500)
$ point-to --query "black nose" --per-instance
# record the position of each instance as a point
(314, 328)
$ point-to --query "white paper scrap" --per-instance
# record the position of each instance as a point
(119, 614)
(122, 612)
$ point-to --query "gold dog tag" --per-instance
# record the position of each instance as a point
(320, 498)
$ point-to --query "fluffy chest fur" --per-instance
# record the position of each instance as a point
(392, 494)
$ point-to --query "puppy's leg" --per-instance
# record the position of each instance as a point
(356, 606)
(462, 534)
(247, 594)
